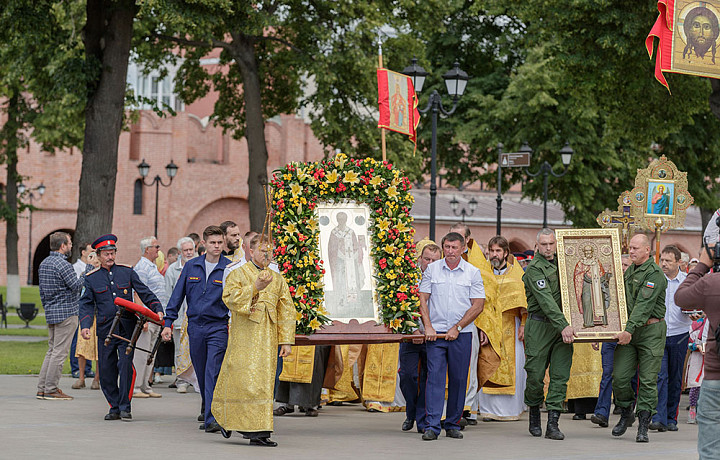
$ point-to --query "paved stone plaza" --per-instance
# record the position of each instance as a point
(166, 428)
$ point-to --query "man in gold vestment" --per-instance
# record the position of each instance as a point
(502, 357)
(263, 317)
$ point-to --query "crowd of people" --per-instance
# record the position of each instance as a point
(493, 341)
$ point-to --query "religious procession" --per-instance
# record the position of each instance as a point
(326, 263)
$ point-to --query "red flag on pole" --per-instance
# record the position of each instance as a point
(688, 32)
(398, 103)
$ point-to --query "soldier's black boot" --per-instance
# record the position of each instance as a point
(552, 431)
(643, 424)
(627, 418)
(535, 427)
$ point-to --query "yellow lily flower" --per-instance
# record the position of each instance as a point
(392, 192)
(315, 324)
(375, 181)
(295, 189)
(290, 228)
(331, 177)
(351, 177)
(383, 224)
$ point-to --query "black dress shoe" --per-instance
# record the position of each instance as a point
(408, 424)
(201, 427)
(472, 421)
(125, 415)
(263, 442)
(201, 417)
(599, 420)
(225, 434)
(672, 427)
(429, 435)
(579, 417)
(617, 410)
(310, 412)
(657, 426)
(112, 416)
(454, 434)
(212, 428)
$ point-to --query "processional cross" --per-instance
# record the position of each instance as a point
(622, 219)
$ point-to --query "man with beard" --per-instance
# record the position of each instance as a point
(502, 356)
(231, 233)
(701, 29)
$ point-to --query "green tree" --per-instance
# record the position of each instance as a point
(584, 76)
(38, 85)
(286, 56)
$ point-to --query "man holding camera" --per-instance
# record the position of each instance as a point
(642, 344)
(703, 292)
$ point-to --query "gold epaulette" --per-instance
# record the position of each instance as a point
(92, 271)
(124, 265)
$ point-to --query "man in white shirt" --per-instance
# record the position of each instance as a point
(148, 273)
(187, 376)
(678, 326)
(451, 297)
(80, 266)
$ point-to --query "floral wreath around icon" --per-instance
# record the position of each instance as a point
(297, 189)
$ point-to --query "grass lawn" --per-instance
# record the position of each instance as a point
(24, 357)
(27, 294)
(33, 331)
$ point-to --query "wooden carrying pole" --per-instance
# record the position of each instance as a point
(382, 130)
(658, 227)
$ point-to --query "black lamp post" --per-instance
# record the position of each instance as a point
(455, 204)
(455, 82)
(546, 169)
(171, 170)
(31, 196)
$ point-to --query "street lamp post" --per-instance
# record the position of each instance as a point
(171, 170)
(455, 82)
(31, 196)
(455, 204)
(546, 169)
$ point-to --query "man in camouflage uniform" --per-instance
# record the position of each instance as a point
(548, 337)
(642, 344)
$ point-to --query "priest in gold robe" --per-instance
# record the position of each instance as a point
(263, 317)
(501, 372)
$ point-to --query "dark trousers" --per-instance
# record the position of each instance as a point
(451, 359)
(208, 343)
(413, 378)
(669, 381)
(117, 374)
(607, 354)
(74, 365)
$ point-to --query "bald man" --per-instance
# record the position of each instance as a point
(642, 344)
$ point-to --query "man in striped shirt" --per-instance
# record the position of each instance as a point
(59, 292)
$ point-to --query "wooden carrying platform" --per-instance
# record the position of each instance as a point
(353, 332)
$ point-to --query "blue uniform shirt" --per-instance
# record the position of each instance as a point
(101, 288)
(203, 293)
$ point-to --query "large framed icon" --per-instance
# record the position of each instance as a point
(591, 282)
(345, 247)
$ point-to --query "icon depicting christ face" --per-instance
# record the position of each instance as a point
(702, 30)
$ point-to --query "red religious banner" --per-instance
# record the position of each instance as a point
(398, 103)
(688, 33)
